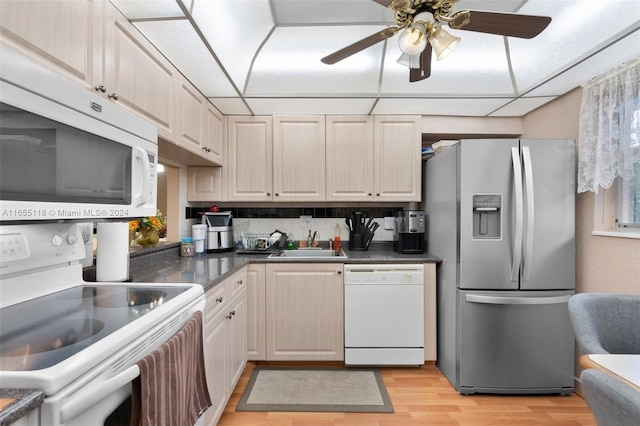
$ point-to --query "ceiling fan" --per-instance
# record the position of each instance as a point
(421, 23)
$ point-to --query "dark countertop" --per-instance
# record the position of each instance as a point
(211, 268)
(25, 401)
(163, 264)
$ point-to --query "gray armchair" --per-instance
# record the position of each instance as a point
(606, 323)
(613, 402)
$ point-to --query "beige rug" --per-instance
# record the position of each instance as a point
(321, 389)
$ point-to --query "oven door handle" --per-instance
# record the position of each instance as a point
(81, 401)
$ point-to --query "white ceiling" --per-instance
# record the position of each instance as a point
(263, 56)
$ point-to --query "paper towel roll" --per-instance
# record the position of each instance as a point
(112, 255)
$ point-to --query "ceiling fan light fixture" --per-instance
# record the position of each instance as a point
(413, 40)
(442, 42)
(409, 61)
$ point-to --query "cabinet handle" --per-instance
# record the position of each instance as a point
(339, 272)
(101, 88)
(219, 299)
(370, 194)
(240, 282)
(231, 314)
(268, 194)
(277, 194)
(377, 194)
(113, 96)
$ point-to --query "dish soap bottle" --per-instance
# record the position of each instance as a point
(336, 238)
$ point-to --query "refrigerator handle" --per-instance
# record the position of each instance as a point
(527, 254)
(507, 300)
(517, 244)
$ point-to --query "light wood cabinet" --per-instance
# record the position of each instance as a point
(249, 161)
(225, 341)
(200, 125)
(137, 76)
(299, 158)
(214, 134)
(256, 315)
(63, 35)
(204, 184)
(397, 158)
(349, 153)
(304, 311)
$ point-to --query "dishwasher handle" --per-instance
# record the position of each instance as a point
(516, 300)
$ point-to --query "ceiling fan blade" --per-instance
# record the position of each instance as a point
(417, 74)
(384, 3)
(507, 24)
(360, 45)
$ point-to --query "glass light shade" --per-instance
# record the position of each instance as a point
(412, 41)
(409, 61)
(442, 42)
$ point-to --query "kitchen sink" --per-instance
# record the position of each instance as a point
(308, 254)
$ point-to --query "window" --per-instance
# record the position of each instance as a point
(628, 191)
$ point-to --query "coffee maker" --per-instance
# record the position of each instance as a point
(408, 231)
(219, 231)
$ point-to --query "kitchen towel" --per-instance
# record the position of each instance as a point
(112, 256)
(172, 387)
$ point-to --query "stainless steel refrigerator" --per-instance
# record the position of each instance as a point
(501, 215)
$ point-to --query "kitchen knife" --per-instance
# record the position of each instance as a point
(374, 226)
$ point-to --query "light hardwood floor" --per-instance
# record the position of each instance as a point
(423, 396)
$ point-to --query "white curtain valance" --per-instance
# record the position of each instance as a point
(609, 138)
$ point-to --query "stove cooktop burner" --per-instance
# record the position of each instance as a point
(41, 332)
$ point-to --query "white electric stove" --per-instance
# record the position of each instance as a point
(77, 341)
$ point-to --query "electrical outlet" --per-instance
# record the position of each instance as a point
(388, 222)
(305, 221)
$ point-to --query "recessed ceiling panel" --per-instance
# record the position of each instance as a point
(445, 106)
(289, 63)
(313, 12)
(262, 106)
(178, 41)
(521, 106)
(620, 52)
(477, 67)
(578, 29)
(146, 9)
(231, 106)
(235, 29)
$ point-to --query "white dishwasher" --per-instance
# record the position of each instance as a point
(384, 314)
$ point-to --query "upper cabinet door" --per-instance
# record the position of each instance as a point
(190, 114)
(349, 172)
(214, 134)
(249, 161)
(299, 158)
(398, 161)
(63, 34)
(137, 76)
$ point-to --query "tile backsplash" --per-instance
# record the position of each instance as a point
(287, 219)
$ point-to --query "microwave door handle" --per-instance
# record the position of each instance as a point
(141, 155)
(517, 244)
(528, 246)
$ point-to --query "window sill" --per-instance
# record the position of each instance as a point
(635, 235)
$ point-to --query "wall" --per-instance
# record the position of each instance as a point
(603, 263)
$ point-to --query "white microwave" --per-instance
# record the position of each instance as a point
(67, 153)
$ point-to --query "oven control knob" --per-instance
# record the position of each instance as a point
(56, 240)
(72, 239)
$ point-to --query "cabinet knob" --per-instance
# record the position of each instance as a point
(370, 194)
(231, 314)
(339, 272)
(240, 282)
(268, 194)
(101, 88)
(377, 194)
(113, 96)
(277, 194)
(219, 299)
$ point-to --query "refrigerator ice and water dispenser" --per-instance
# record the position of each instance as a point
(487, 210)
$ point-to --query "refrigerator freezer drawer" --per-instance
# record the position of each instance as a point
(515, 342)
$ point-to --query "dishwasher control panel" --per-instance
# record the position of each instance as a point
(384, 274)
